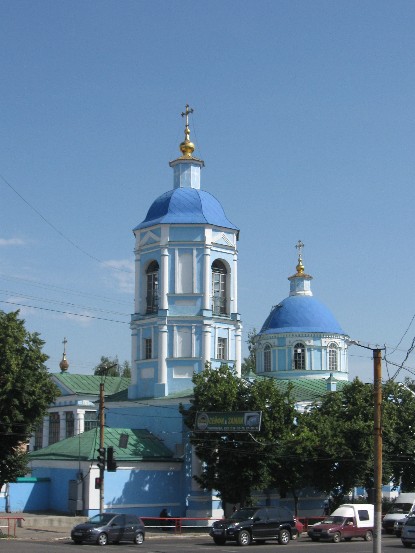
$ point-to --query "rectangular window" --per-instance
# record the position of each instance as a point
(39, 437)
(54, 422)
(69, 424)
(90, 420)
(222, 352)
(148, 348)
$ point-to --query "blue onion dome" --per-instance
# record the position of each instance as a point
(186, 205)
(301, 314)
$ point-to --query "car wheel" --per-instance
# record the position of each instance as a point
(368, 536)
(219, 541)
(244, 537)
(102, 539)
(139, 538)
(337, 537)
(284, 537)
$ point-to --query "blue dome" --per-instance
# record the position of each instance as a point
(186, 205)
(301, 314)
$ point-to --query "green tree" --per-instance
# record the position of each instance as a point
(236, 464)
(26, 391)
(110, 366)
(340, 451)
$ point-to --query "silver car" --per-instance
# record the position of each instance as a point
(408, 532)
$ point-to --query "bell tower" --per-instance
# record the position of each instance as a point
(186, 303)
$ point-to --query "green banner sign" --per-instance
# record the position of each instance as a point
(228, 421)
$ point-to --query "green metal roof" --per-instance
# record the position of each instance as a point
(142, 446)
(82, 384)
(307, 389)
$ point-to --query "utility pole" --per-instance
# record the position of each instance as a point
(377, 443)
(101, 446)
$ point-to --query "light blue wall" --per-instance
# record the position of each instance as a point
(29, 494)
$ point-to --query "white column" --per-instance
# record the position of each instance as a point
(234, 309)
(79, 422)
(164, 278)
(207, 337)
(162, 353)
(206, 279)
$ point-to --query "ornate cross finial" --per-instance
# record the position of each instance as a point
(299, 247)
(186, 114)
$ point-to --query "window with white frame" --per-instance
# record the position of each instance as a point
(333, 357)
(152, 293)
(267, 358)
(54, 428)
(222, 351)
(219, 283)
(69, 424)
(38, 437)
(299, 357)
(90, 420)
(148, 348)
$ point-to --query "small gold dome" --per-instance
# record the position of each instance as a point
(187, 148)
(64, 365)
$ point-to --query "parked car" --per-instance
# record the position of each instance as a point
(346, 522)
(402, 507)
(110, 527)
(255, 524)
(408, 532)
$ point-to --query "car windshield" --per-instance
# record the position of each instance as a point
(101, 520)
(400, 508)
(243, 514)
(333, 520)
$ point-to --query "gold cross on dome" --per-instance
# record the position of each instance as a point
(299, 247)
(186, 114)
(65, 341)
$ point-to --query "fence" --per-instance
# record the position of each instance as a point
(11, 524)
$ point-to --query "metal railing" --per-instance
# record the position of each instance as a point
(11, 524)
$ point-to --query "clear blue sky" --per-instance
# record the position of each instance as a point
(304, 115)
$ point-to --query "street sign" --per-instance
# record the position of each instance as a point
(228, 421)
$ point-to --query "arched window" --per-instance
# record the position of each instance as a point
(299, 357)
(219, 300)
(152, 296)
(267, 358)
(333, 357)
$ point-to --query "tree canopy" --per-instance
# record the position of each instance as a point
(329, 447)
(26, 391)
(236, 464)
(110, 366)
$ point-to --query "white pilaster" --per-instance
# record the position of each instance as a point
(206, 278)
(164, 278)
(162, 355)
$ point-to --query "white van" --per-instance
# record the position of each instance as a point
(401, 508)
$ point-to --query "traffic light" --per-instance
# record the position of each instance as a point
(111, 461)
(101, 458)
(97, 483)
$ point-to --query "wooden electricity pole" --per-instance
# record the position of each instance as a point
(101, 446)
(377, 444)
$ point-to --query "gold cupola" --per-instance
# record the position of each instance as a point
(300, 282)
(64, 365)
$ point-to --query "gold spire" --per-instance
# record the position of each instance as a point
(186, 147)
(300, 266)
(64, 365)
